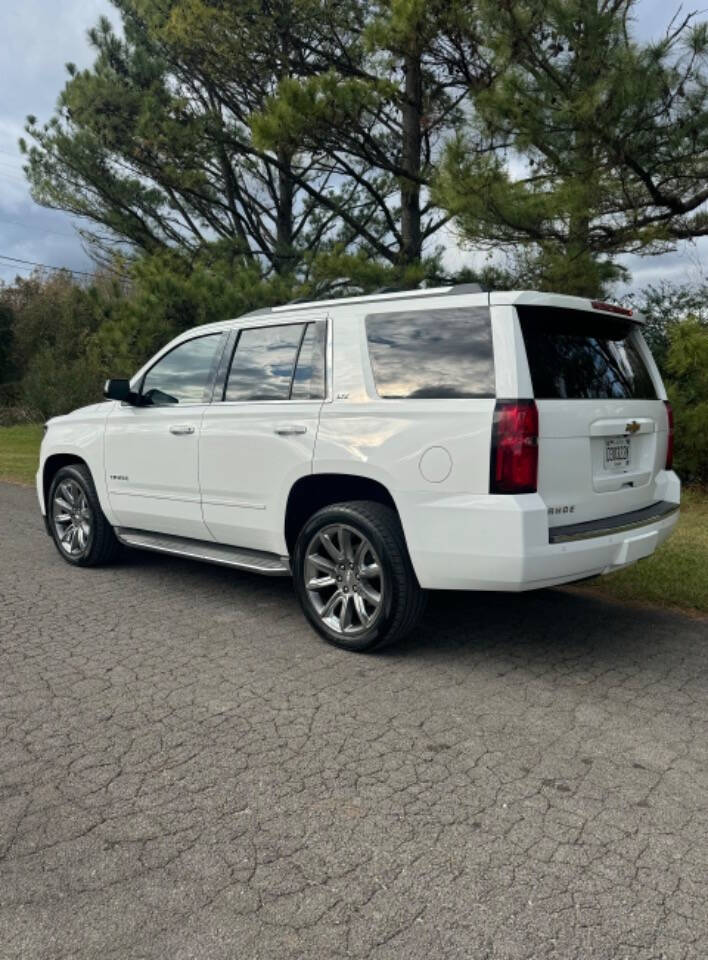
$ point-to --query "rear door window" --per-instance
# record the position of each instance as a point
(578, 355)
(432, 354)
(278, 363)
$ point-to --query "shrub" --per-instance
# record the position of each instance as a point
(687, 384)
(664, 306)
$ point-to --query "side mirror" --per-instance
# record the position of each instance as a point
(119, 390)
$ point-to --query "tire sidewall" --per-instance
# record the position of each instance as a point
(78, 476)
(351, 517)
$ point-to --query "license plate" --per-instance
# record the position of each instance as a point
(617, 453)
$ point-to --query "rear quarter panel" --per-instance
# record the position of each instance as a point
(423, 451)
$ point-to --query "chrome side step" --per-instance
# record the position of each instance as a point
(239, 557)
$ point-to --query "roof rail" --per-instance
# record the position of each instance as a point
(458, 288)
(254, 313)
(391, 289)
(369, 298)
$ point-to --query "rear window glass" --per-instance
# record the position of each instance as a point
(576, 355)
(432, 354)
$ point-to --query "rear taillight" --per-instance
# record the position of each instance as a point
(670, 436)
(514, 462)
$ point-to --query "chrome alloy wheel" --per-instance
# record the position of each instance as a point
(72, 517)
(344, 579)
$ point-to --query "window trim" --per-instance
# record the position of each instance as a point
(220, 385)
(208, 386)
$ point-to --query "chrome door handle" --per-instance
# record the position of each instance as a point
(289, 430)
(181, 429)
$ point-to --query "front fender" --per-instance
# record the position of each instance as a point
(78, 436)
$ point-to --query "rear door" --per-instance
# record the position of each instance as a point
(602, 418)
(258, 436)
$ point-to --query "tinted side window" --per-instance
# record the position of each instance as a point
(277, 363)
(574, 354)
(309, 380)
(184, 374)
(263, 363)
(432, 354)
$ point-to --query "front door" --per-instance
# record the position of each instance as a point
(152, 449)
(259, 438)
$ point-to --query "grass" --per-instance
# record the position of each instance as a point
(19, 452)
(675, 576)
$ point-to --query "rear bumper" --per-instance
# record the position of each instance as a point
(504, 543)
(622, 523)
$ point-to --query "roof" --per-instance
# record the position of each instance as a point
(382, 296)
(494, 298)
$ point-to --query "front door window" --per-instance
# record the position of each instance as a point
(184, 374)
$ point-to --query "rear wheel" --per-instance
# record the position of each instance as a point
(353, 575)
(80, 531)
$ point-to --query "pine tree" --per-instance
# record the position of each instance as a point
(589, 145)
(397, 72)
(153, 146)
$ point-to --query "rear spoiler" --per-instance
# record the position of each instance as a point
(538, 298)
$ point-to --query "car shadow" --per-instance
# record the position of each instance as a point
(559, 629)
(552, 627)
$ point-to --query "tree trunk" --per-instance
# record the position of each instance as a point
(581, 271)
(412, 109)
(283, 261)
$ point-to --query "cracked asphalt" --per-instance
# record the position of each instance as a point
(187, 771)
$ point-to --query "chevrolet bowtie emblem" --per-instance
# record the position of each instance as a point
(631, 427)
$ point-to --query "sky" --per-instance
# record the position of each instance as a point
(37, 39)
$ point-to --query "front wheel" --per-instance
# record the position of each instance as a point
(353, 575)
(79, 528)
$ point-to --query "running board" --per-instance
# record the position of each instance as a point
(256, 561)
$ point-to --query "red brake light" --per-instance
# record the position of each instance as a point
(514, 461)
(611, 308)
(670, 437)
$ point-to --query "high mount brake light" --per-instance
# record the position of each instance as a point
(514, 460)
(670, 438)
(611, 308)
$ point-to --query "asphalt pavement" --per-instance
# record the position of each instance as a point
(187, 771)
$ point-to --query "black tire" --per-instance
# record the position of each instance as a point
(402, 600)
(100, 546)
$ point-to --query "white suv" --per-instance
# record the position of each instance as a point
(377, 447)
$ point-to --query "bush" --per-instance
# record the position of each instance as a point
(56, 383)
(687, 385)
(664, 306)
(49, 359)
(12, 416)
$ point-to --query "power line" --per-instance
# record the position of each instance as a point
(47, 266)
(34, 226)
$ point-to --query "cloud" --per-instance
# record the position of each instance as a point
(38, 38)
